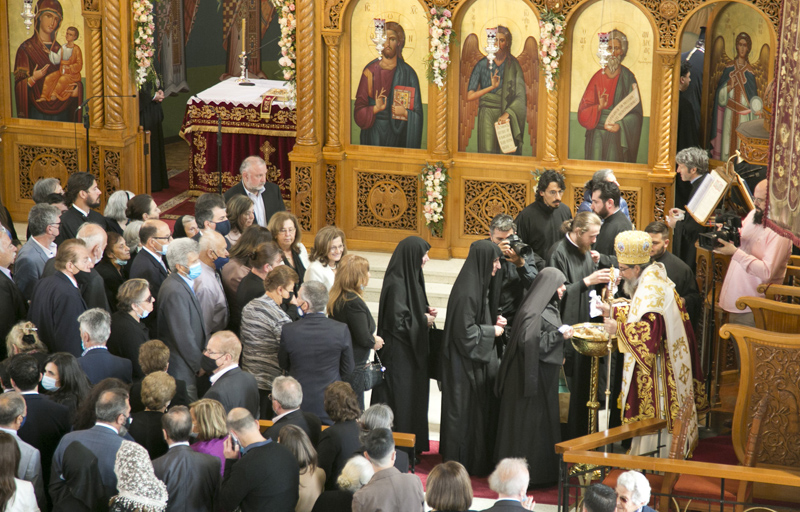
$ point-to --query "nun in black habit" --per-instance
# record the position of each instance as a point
(403, 321)
(470, 360)
(527, 383)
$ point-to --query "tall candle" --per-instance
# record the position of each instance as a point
(244, 32)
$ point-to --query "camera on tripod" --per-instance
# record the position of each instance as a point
(729, 232)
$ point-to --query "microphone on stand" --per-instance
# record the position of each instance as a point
(84, 106)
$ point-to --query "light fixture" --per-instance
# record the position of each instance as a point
(602, 49)
(380, 36)
(491, 45)
(27, 14)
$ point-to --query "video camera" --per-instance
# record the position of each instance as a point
(731, 223)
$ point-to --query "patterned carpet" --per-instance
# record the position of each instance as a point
(176, 200)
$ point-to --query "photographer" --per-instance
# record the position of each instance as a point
(518, 271)
(761, 258)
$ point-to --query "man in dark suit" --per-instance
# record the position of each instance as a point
(192, 478)
(315, 350)
(46, 421)
(82, 195)
(211, 214)
(230, 386)
(43, 223)
(510, 481)
(14, 308)
(693, 168)
(57, 302)
(154, 235)
(12, 414)
(287, 395)
(388, 490)
(180, 324)
(103, 440)
(266, 477)
(266, 197)
(96, 361)
(90, 283)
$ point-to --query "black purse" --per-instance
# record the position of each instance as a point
(373, 372)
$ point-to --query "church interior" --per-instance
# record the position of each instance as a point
(381, 117)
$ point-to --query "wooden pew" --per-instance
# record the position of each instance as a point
(771, 315)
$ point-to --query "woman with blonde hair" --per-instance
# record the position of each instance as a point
(312, 477)
(285, 230)
(209, 425)
(134, 303)
(23, 339)
(329, 248)
(346, 304)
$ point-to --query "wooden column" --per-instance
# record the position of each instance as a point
(440, 150)
(551, 134)
(94, 69)
(113, 61)
(666, 106)
(332, 42)
(306, 132)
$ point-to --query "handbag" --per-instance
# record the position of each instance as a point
(373, 372)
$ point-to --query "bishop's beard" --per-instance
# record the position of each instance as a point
(629, 287)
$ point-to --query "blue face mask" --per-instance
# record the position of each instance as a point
(223, 227)
(49, 383)
(24, 418)
(143, 314)
(194, 271)
(121, 263)
(164, 249)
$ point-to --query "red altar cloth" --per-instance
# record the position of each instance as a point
(244, 133)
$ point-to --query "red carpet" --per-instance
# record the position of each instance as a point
(175, 201)
(480, 486)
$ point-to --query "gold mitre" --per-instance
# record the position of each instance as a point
(633, 247)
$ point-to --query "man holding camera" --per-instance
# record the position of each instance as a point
(518, 265)
(761, 258)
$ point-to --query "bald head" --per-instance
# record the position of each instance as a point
(154, 234)
(212, 247)
(240, 421)
(95, 238)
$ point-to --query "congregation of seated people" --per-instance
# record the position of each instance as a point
(221, 365)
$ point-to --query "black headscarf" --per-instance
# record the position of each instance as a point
(527, 330)
(179, 231)
(403, 301)
(81, 489)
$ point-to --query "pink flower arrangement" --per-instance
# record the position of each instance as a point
(440, 30)
(288, 43)
(551, 44)
(142, 50)
(434, 180)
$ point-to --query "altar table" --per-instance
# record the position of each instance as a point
(245, 132)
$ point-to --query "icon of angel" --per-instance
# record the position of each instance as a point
(498, 93)
(737, 98)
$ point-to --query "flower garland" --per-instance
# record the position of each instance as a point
(551, 45)
(142, 50)
(441, 35)
(434, 180)
(288, 43)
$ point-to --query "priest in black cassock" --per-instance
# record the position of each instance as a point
(605, 203)
(677, 270)
(692, 168)
(150, 117)
(573, 256)
(82, 195)
(470, 360)
(539, 224)
(688, 134)
(527, 384)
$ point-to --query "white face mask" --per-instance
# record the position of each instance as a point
(49, 383)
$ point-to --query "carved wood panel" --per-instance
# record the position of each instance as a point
(36, 162)
(659, 203)
(302, 198)
(111, 171)
(777, 374)
(330, 195)
(483, 200)
(387, 200)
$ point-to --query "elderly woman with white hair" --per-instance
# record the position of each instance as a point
(115, 211)
(633, 492)
(510, 480)
(355, 475)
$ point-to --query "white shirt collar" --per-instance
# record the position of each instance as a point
(570, 240)
(49, 251)
(106, 425)
(179, 443)
(33, 392)
(276, 418)
(9, 431)
(6, 272)
(215, 377)
(71, 278)
(85, 214)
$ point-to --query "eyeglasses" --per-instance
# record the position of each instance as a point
(286, 231)
(554, 193)
(162, 237)
(759, 200)
(624, 269)
(212, 353)
(148, 299)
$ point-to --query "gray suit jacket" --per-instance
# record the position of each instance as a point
(30, 467)
(103, 442)
(192, 478)
(389, 490)
(181, 328)
(28, 267)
